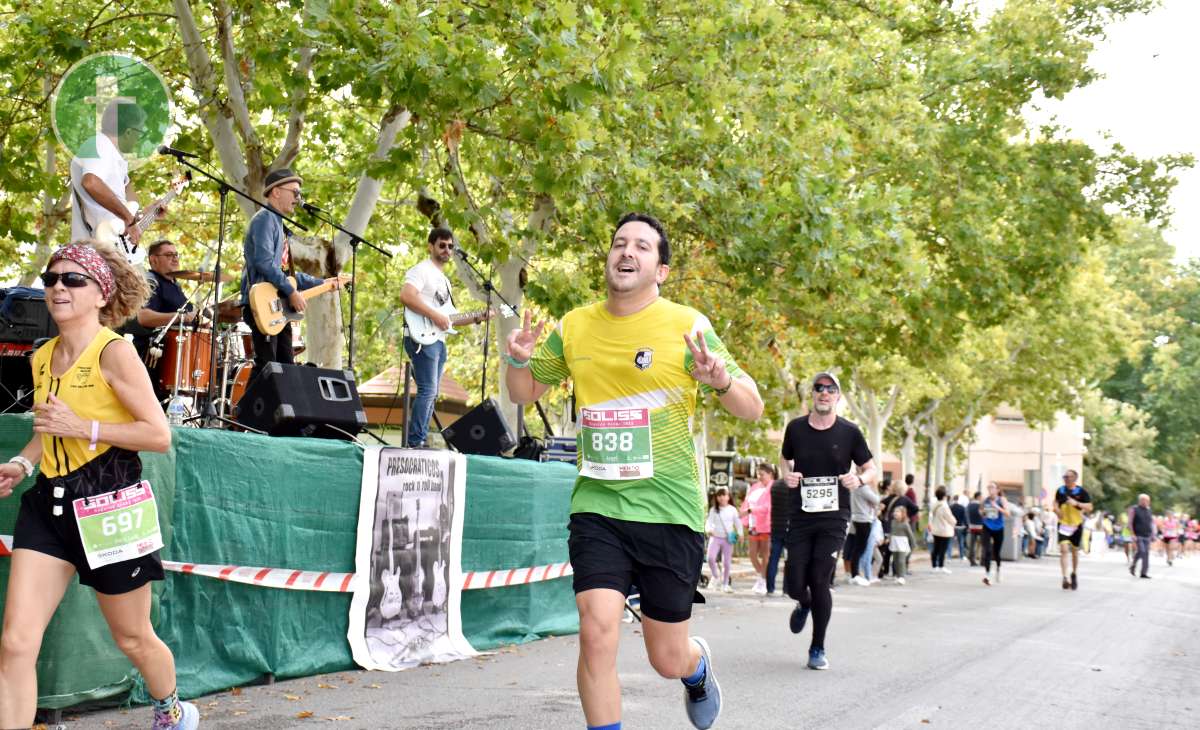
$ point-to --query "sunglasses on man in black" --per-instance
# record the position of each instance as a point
(825, 388)
(71, 279)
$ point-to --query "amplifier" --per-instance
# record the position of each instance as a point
(560, 448)
(299, 400)
(23, 315)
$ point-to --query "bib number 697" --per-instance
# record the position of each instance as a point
(612, 442)
(121, 522)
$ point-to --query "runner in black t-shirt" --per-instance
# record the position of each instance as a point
(821, 451)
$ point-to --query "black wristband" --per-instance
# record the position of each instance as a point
(722, 391)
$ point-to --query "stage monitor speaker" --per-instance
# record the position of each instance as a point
(299, 400)
(482, 430)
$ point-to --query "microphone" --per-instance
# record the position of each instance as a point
(312, 208)
(165, 150)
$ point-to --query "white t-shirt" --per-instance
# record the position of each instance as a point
(106, 163)
(430, 281)
(724, 522)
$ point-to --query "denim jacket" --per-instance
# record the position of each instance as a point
(263, 252)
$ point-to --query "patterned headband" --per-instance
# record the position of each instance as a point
(91, 261)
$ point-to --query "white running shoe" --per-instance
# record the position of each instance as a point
(861, 581)
(727, 588)
(900, 581)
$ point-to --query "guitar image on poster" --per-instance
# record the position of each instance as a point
(411, 614)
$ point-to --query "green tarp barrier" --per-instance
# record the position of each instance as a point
(242, 499)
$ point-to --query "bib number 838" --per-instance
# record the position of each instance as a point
(121, 522)
(612, 441)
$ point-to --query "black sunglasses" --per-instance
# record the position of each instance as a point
(446, 246)
(71, 279)
(825, 388)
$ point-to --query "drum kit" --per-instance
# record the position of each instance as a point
(180, 356)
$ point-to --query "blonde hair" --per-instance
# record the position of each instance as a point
(130, 290)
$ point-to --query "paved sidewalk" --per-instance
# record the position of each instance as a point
(942, 651)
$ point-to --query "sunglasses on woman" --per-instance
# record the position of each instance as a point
(70, 279)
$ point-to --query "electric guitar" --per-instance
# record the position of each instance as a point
(272, 312)
(393, 599)
(423, 331)
(114, 232)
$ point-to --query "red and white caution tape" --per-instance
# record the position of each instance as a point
(296, 580)
(311, 580)
(515, 576)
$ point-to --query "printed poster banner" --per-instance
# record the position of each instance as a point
(406, 608)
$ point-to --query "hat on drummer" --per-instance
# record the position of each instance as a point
(275, 178)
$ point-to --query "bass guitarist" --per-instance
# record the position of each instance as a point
(426, 292)
(268, 255)
(100, 187)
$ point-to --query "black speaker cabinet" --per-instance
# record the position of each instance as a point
(482, 430)
(24, 317)
(298, 400)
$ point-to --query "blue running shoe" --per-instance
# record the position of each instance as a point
(817, 660)
(798, 619)
(703, 701)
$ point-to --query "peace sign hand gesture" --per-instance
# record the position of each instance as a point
(709, 368)
(521, 342)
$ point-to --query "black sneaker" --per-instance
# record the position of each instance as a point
(1131, 569)
(1074, 582)
(798, 618)
(1145, 576)
(1066, 584)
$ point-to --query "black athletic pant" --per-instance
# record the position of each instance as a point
(812, 556)
(858, 545)
(992, 541)
(940, 546)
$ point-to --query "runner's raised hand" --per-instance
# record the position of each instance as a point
(709, 368)
(522, 341)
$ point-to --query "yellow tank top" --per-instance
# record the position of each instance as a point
(84, 389)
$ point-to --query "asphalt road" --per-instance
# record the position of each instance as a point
(943, 651)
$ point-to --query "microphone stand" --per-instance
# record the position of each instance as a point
(355, 240)
(223, 188)
(489, 290)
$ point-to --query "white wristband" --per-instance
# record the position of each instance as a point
(95, 435)
(26, 464)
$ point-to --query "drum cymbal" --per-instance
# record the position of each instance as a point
(205, 276)
(228, 311)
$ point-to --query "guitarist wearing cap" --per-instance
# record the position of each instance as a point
(427, 299)
(268, 256)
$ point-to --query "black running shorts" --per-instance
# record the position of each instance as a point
(662, 560)
(40, 530)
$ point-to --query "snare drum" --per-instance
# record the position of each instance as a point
(188, 351)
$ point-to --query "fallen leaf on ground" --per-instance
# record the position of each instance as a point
(292, 697)
(304, 715)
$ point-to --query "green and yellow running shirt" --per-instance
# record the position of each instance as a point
(635, 398)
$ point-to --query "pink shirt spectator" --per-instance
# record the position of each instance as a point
(757, 505)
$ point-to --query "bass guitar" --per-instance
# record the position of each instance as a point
(273, 312)
(114, 232)
(423, 331)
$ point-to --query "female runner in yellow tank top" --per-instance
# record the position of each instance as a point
(94, 410)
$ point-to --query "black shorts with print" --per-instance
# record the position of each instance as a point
(39, 529)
